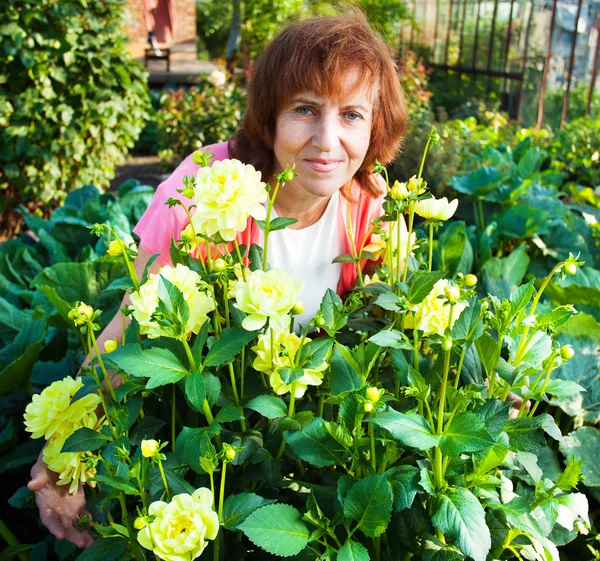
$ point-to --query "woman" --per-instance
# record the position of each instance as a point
(324, 97)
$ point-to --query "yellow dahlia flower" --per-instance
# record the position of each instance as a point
(145, 302)
(436, 209)
(269, 295)
(431, 316)
(150, 448)
(377, 245)
(182, 527)
(225, 195)
(73, 468)
(51, 413)
(271, 355)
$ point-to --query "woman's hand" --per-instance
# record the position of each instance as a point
(59, 510)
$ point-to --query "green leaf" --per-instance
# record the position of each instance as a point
(289, 375)
(315, 445)
(84, 440)
(315, 352)
(409, 428)
(524, 434)
(278, 529)
(536, 352)
(352, 551)
(435, 550)
(583, 444)
(281, 222)
(228, 414)
(159, 365)
(501, 276)
(521, 296)
(571, 476)
(105, 549)
(13, 551)
(393, 339)
(343, 377)
(459, 515)
(388, 301)
(422, 284)
(477, 183)
(228, 346)
(465, 433)
(489, 353)
(405, 485)
(256, 256)
(269, 406)
(193, 444)
(454, 252)
(172, 311)
(195, 390)
(119, 483)
(469, 326)
(529, 163)
(369, 502)
(530, 462)
(238, 507)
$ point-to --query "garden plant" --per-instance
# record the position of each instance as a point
(380, 430)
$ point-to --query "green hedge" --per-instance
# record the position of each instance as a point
(72, 101)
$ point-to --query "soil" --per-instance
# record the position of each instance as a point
(146, 169)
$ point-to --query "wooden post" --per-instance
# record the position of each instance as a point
(540, 118)
(476, 40)
(507, 46)
(449, 25)
(491, 45)
(594, 68)
(565, 107)
(412, 27)
(462, 31)
(435, 29)
(524, 61)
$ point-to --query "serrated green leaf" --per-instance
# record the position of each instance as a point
(195, 390)
(459, 515)
(105, 549)
(369, 502)
(119, 483)
(583, 444)
(352, 551)
(315, 445)
(238, 507)
(281, 222)
(290, 375)
(269, 406)
(409, 428)
(343, 377)
(422, 284)
(228, 346)
(278, 529)
(405, 485)
(391, 338)
(465, 433)
(84, 440)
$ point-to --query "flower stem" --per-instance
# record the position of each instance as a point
(239, 255)
(164, 479)
(236, 397)
(290, 415)
(188, 352)
(173, 410)
(373, 456)
(100, 390)
(222, 491)
(107, 379)
(10, 539)
(268, 225)
(411, 216)
(430, 245)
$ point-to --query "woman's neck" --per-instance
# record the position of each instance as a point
(305, 208)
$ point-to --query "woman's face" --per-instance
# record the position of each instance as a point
(327, 140)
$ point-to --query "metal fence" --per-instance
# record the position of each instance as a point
(506, 40)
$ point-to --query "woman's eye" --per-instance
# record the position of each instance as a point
(354, 116)
(303, 110)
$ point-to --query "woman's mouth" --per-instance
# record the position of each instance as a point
(323, 166)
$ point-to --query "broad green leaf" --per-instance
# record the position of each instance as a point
(522, 222)
(315, 445)
(459, 515)
(529, 163)
(391, 338)
(369, 502)
(228, 346)
(84, 440)
(478, 182)
(119, 483)
(405, 485)
(194, 443)
(583, 444)
(524, 434)
(159, 365)
(489, 353)
(409, 428)
(352, 551)
(388, 301)
(521, 296)
(281, 222)
(105, 549)
(530, 462)
(228, 414)
(343, 377)
(195, 390)
(571, 476)
(256, 256)
(465, 433)
(435, 550)
(535, 352)
(469, 326)
(422, 284)
(172, 311)
(269, 406)
(290, 375)
(502, 275)
(454, 252)
(278, 529)
(238, 507)
(315, 352)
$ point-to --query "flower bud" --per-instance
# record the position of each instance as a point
(567, 352)
(470, 280)
(115, 248)
(447, 344)
(399, 191)
(373, 394)
(230, 454)
(188, 192)
(81, 314)
(111, 345)
(187, 236)
(150, 448)
(368, 407)
(452, 293)
(140, 523)
(219, 265)
(570, 268)
(416, 186)
(320, 321)
(298, 308)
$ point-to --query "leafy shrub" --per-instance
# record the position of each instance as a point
(198, 116)
(72, 100)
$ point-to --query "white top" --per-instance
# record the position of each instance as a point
(307, 254)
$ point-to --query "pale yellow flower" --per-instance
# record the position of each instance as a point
(51, 413)
(269, 295)
(436, 209)
(432, 315)
(115, 248)
(417, 186)
(372, 279)
(72, 468)
(399, 191)
(377, 246)
(111, 345)
(81, 314)
(187, 281)
(277, 349)
(182, 528)
(217, 78)
(225, 195)
(149, 448)
(232, 283)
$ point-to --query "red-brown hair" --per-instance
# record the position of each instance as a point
(315, 55)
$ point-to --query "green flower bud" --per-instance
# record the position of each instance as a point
(188, 193)
(368, 407)
(447, 344)
(470, 280)
(452, 293)
(567, 352)
(570, 268)
(373, 394)
(298, 308)
(140, 523)
(219, 265)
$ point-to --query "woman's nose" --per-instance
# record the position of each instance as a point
(326, 135)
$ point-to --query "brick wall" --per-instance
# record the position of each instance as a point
(135, 25)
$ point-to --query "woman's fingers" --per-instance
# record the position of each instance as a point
(50, 520)
(38, 482)
(72, 534)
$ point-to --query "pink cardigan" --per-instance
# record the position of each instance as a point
(160, 224)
